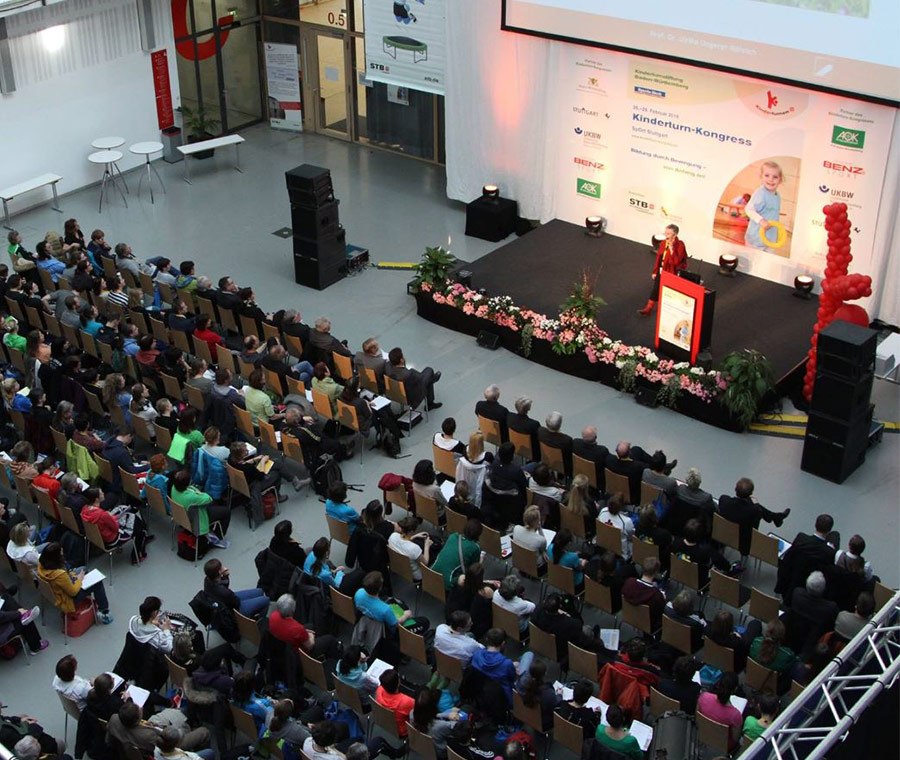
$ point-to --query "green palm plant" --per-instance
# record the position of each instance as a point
(750, 378)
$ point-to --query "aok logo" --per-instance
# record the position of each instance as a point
(588, 163)
(843, 168)
(588, 187)
(848, 138)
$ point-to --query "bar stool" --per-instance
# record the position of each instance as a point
(108, 158)
(111, 143)
(145, 149)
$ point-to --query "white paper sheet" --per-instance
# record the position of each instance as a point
(738, 703)
(610, 638)
(643, 733)
(380, 402)
(138, 695)
(116, 679)
(447, 488)
(377, 668)
(92, 578)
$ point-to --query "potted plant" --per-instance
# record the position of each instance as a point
(199, 127)
(750, 378)
(434, 268)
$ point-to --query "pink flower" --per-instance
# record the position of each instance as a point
(468, 309)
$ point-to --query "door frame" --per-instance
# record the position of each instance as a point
(313, 112)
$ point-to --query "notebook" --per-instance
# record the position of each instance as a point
(92, 578)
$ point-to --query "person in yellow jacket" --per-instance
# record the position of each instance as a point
(66, 583)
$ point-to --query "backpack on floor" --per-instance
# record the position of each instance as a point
(269, 502)
(390, 444)
(187, 542)
(672, 737)
(327, 472)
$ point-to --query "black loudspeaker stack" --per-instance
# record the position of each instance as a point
(840, 415)
(320, 242)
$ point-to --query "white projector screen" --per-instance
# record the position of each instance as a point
(848, 47)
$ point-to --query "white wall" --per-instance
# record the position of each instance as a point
(98, 83)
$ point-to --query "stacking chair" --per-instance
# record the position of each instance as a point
(508, 621)
(248, 628)
(444, 461)
(343, 366)
(314, 671)
(616, 483)
(238, 482)
(490, 543)
(243, 722)
(726, 532)
(713, 734)
(677, 635)
(92, 535)
(181, 519)
(396, 392)
(764, 548)
(526, 562)
(600, 597)
(322, 404)
(542, 643)
(244, 422)
(343, 606)
(522, 442)
(456, 522)
(383, 717)
(177, 673)
(195, 397)
(427, 509)
(609, 537)
(760, 678)
(449, 667)
(531, 717)
(562, 578)
(583, 662)
(649, 493)
(398, 498)
(412, 645)
(420, 743)
(728, 590)
(637, 616)
(339, 531)
(686, 573)
(586, 467)
(347, 416)
(71, 709)
(433, 584)
(553, 458)
(368, 380)
(570, 735)
(660, 703)
(762, 606)
(641, 551)
(347, 695)
(164, 436)
(491, 430)
(718, 656)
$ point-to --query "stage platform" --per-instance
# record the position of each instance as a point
(538, 269)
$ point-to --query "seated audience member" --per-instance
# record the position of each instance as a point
(491, 409)
(172, 362)
(318, 565)
(575, 710)
(806, 554)
(537, 692)
(811, 613)
(370, 358)
(368, 603)
(66, 584)
(284, 627)
(580, 502)
(445, 439)
(128, 728)
(406, 542)
(607, 571)
(224, 390)
(245, 697)
(551, 435)
(166, 415)
(716, 705)
(276, 360)
(615, 736)
(419, 386)
(747, 512)
(336, 505)
(560, 552)
(186, 435)
(852, 558)
(643, 590)
(186, 279)
(453, 638)
(531, 536)
(283, 727)
(511, 596)
(140, 404)
(198, 378)
(217, 581)
(151, 627)
(681, 685)
(566, 625)
(466, 545)
(68, 683)
(647, 529)
(656, 475)
(461, 501)
(492, 663)
(438, 724)
(614, 514)
(472, 466)
(769, 651)
(21, 548)
(522, 423)
(147, 354)
(506, 482)
(768, 710)
(253, 352)
(167, 747)
(424, 481)
(189, 496)
(118, 526)
(257, 401)
(89, 321)
(694, 502)
(814, 661)
(227, 295)
(621, 462)
(587, 447)
(848, 624)
(285, 545)
(681, 610)
(320, 744)
(721, 630)
(351, 670)
(18, 621)
(102, 700)
(634, 656)
(292, 324)
(690, 546)
(473, 594)
(254, 469)
(542, 482)
(324, 343)
(115, 292)
(324, 383)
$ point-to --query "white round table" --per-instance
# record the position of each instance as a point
(108, 158)
(146, 149)
(110, 143)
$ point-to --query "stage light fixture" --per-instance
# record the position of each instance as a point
(728, 263)
(803, 285)
(490, 191)
(594, 225)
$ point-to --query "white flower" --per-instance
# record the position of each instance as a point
(651, 357)
(681, 365)
(696, 370)
(607, 342)
(620, 363)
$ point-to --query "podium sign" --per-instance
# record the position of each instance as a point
(683, 309)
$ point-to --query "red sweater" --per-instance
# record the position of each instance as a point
(47, 483)
(109, 526)
(212, 339)
(401, 704)
(288, 630)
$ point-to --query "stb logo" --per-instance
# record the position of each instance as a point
(773, 100)
(848, 138)
(588, 187)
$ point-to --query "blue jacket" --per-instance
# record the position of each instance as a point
(209, 474)
(118, 456)
(496, 666)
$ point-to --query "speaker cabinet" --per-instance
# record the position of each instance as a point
(328, 247)
(851, 342)
(316, 273)
(312, 221)
(832, 461)
(841, 398)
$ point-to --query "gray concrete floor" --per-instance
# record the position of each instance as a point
(395, 206)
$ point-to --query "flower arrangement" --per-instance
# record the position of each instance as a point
(572, 332)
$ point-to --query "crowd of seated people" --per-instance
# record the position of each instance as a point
(826, 588)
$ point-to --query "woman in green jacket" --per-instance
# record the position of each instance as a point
(186, 433)
(201, 510)
(325, 383)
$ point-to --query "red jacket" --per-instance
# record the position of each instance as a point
(109, 526)
(401, 704)
(676, 260)
(287, 630)
(212, 339)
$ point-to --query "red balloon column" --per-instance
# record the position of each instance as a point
(837, 286)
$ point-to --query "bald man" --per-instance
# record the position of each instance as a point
(587, 447)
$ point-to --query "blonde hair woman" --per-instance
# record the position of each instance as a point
(531, 535)
(11, 335)
(22, 549)
(11, 398)
(472, 467)
(581, 503)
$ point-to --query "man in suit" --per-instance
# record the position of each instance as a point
(550, 434)
(587, 447)
(227, 295)
(292, 324)
(370, 358)
(806, 555)
(522, 423)
(419, 386)
(622, 463)
(811, 614)
(324, 343)
(747, 512)
(491, 408)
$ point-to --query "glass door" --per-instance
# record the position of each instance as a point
(327, 92)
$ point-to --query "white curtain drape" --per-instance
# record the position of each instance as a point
(501, 100)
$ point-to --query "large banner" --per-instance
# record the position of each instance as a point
(405, 43)
(741, 166)
(283, 83)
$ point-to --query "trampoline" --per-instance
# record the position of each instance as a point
(391, 44)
